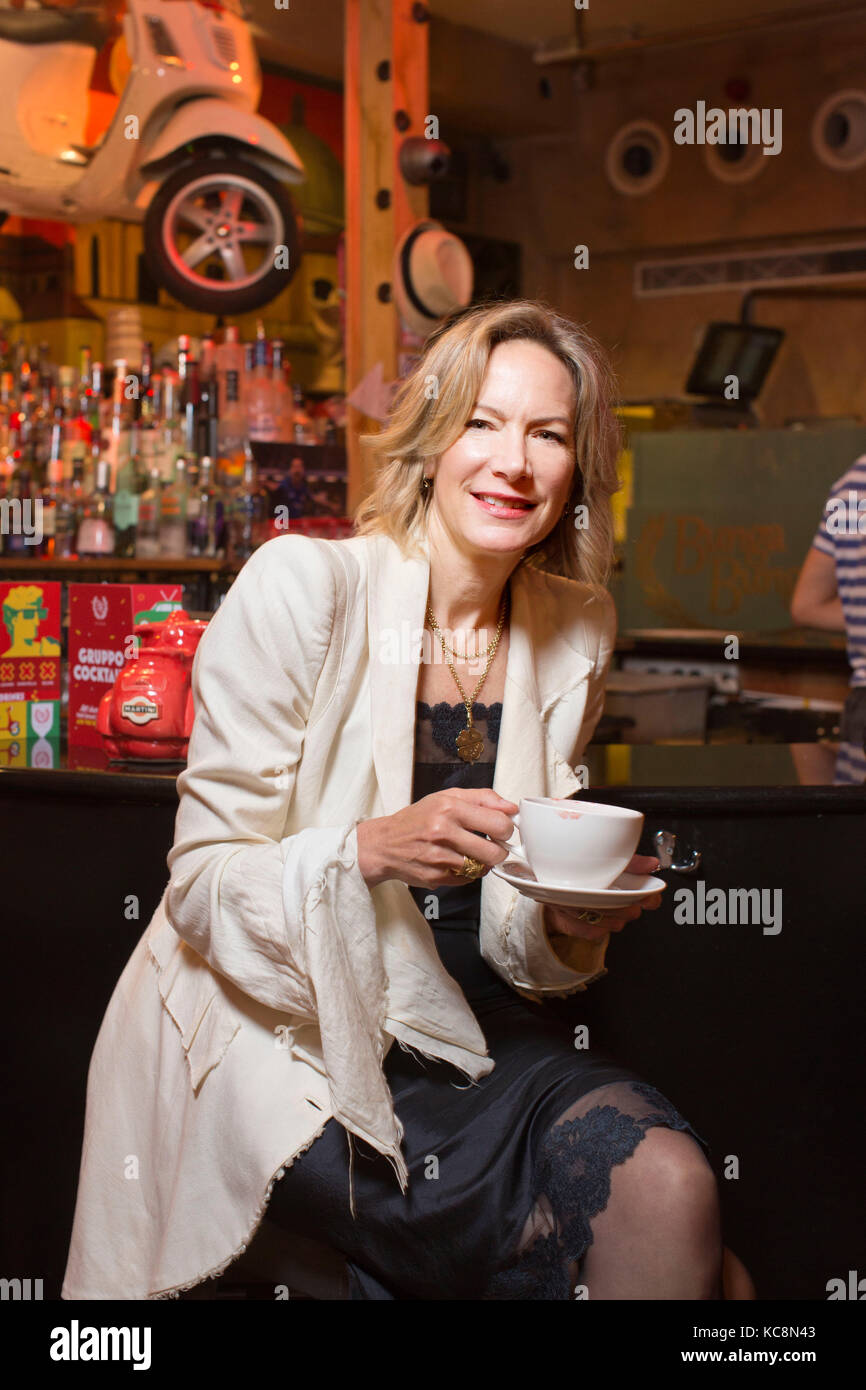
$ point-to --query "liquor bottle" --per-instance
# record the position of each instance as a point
(8, 406)
(92, 404)
(170, 425)
(106, 400)
(191, 401)
(193, 501)
(147, 541)
(149, 450)
(30, 414)
(116, 441)
(232, 431)
(85, 381)
(183, 356)
(76, 431)
(14, 541)
(7, 462)
(143, 406)
(303, 431)
(59, 518)
(96, 531)
(17, 499)
(261, 399)
(47, 493)
(66, 391)
(173, 516)
(230, 360)
(248, 513)
(58, 431)
(208, 417)
(42, 427)
(231, 434)
(207, 356)
(46, 368)
(45, 377)
(7, 468)
(283, 402)
(208, 527)
(77, 496)
(126, 501)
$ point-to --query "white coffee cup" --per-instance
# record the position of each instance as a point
(574, 843)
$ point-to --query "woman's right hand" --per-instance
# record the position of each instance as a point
(421, 844)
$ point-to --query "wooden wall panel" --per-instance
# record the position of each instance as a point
(377, 32)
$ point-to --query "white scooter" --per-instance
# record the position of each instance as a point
(185, 152)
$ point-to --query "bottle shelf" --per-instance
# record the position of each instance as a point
(162, 564)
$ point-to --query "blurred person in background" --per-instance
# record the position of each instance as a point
(830, 593)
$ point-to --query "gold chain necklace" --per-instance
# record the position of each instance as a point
(470, 744)
(464, 656)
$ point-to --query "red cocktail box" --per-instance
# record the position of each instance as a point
(101, 641)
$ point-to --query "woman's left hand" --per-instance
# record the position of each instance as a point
(564, 921)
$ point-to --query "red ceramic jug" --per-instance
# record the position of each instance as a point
(148, 712)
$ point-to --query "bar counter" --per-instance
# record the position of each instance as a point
(751, 1023)
(746, 775)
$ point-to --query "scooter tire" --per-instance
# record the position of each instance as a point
(217, 300)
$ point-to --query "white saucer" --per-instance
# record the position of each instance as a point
(623, 892)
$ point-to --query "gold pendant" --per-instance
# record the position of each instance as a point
(470, 745)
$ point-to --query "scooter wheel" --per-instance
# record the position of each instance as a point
(220, 235)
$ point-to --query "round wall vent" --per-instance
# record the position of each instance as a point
(637, 157)
(735, 162)
(839, 130)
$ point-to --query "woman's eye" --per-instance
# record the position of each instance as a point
(543, 434)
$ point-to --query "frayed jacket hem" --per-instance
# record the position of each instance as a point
(177, 1289)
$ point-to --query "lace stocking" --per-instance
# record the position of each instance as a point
(647, 1248)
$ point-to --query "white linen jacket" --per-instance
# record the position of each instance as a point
(265, 992)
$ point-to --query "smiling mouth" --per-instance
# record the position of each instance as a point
(503, 504)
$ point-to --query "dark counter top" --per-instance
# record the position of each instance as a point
(775, 777)
(788, 646)
(87, 773)
(772, 776)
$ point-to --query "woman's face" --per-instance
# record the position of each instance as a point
(502, 486)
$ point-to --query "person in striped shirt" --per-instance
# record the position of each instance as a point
(831, 593)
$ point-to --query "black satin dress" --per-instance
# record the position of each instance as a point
(505, 1174)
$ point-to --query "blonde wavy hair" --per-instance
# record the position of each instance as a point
(433, 404)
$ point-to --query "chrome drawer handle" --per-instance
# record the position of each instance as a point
(666, 843)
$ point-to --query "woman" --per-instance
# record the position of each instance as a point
(830, 593)
(331, 894)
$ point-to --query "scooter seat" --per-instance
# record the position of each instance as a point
(86, 27)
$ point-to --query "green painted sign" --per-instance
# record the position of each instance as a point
(722, 521)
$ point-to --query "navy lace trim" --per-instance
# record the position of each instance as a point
(573, 1173)
(448, 720)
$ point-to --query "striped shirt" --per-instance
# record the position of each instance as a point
(842, 535)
